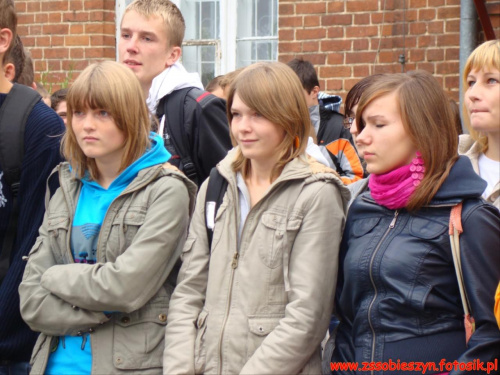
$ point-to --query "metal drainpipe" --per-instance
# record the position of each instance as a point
(468, 32)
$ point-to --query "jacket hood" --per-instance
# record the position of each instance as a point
(173, 78)
(157, 154)
(467, 144)
(329, 102)
(462, 183)
(301, 168)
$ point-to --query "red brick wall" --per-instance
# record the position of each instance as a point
(66, 35)
(341, 38)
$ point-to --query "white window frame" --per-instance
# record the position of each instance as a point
(225, 50)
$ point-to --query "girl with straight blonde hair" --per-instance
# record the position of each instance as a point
(256, 299)
(398, 296)
(100, 275)
(481, 115)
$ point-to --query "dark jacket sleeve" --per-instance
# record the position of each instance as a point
(210, 132)
(479, 244)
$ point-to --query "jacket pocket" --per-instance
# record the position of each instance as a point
(58, 229)
(426, 229)
(138, 339)
(200, 349)
(125, 227)
(258, 329)
(276, 235)
(361, 227)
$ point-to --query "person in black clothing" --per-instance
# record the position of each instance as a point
(195, 129)
(41, 154)
(334, 139)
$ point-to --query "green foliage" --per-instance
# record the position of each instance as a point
(47, 80)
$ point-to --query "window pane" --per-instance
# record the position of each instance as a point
(200, 59)
(251, 51)
(201, 18)
(257, 18)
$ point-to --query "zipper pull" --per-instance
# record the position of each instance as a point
(234, 263)
(393, 222)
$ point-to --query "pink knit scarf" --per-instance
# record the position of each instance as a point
(394, 189)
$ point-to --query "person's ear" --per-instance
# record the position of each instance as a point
(10, 71)
(174, 55)
(315, 92)
(5, 39)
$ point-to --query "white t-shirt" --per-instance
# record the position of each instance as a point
(489, 170)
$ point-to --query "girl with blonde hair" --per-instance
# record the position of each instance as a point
(481, 115)
(257, 300)
(100, 275)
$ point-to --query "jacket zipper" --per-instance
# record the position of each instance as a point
(234, 265)
(391, 226)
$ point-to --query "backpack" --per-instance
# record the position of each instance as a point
(177, 142)
(14, 113)
(217, 186)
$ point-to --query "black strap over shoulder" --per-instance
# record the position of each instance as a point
(14, 113)
(172, 106)
(13, 116)
(217, 186)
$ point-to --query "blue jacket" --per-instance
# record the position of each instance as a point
(398, 296)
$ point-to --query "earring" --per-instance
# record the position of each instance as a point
(296, 142)
(417, 169)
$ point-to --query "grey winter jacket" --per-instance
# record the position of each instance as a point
(141, 238)
(260, 305)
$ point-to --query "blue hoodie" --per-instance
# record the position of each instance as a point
(73, 354)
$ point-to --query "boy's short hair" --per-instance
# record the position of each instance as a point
(58, 97)
(227, 79)
(8, 20)
(213, 84)
(17, 57)
(41, 90)
(172, 16)
(27, 76)
(307, 75)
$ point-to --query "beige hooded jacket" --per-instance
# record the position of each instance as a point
(260, 305)
(140, 240)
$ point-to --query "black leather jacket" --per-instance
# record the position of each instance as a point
(398, 296)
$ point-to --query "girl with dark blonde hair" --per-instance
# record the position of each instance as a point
(257, 300)
(99, 277)
(481, 114)
(398, 296)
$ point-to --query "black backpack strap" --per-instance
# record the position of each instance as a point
(217, 186)
(13, 116)
(173, 109)
(14, 113)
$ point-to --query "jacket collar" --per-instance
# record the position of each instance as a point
(301, 168)
(70, 184)
(462, 183)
